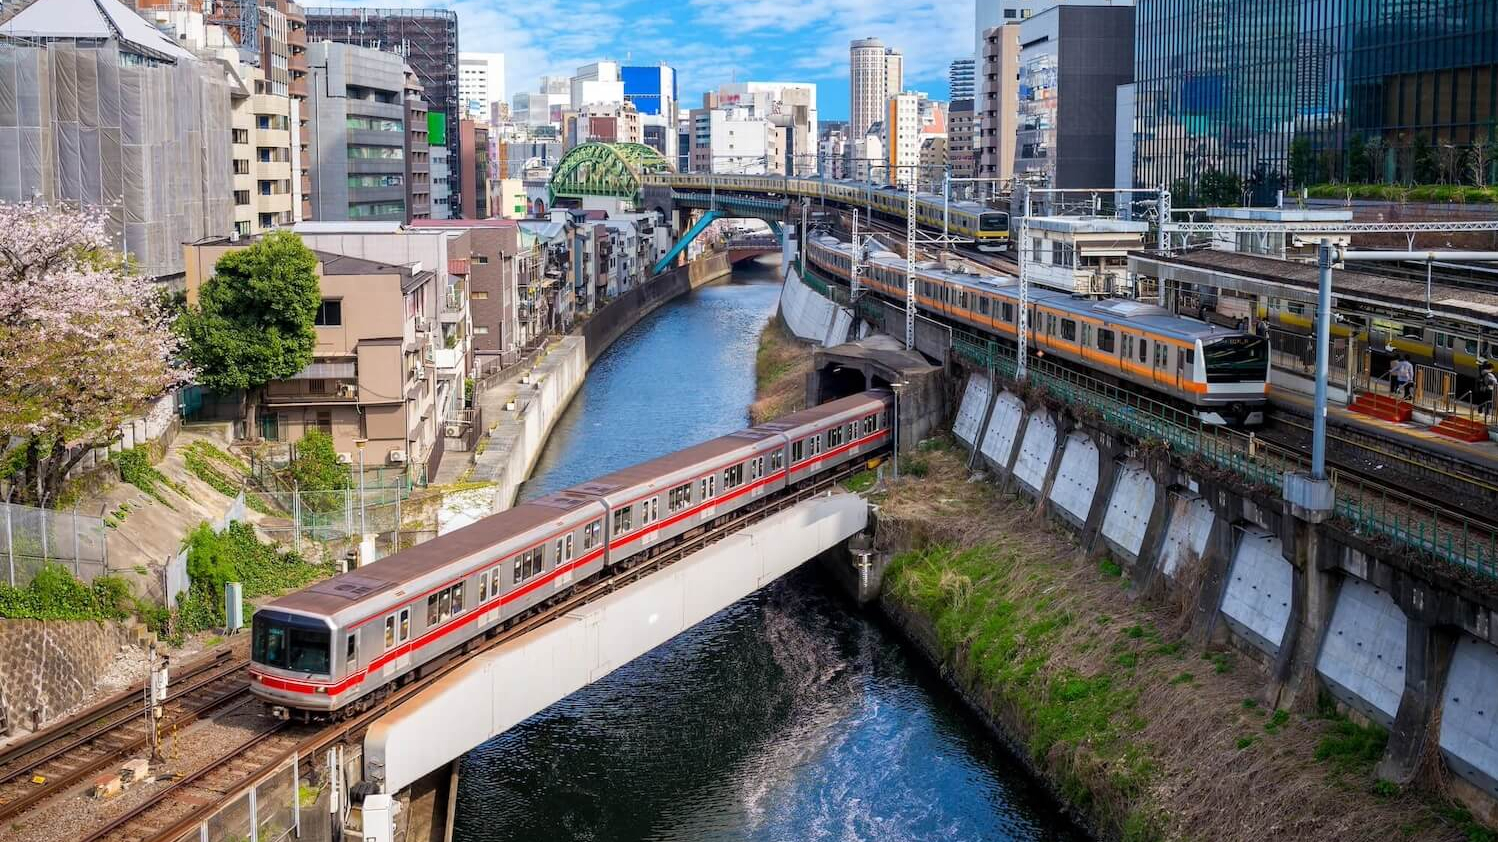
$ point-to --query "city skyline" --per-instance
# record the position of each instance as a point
(710, 45)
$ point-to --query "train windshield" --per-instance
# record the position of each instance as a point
(1237, 359)
(997, 221)
(289, 642)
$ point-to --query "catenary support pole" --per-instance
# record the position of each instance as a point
(1323, 353)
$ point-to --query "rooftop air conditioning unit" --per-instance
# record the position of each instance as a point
(345, 458)
(398, 457)
(453, 431)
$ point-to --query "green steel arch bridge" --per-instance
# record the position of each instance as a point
(619, 171)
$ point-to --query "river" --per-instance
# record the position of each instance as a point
(786, 717)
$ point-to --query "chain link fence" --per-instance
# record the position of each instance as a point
(35, 537)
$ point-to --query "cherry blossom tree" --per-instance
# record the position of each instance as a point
(85, 343)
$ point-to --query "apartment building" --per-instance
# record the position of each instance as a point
(473, 169)
(997, 109)
(493, 280)
(372, 375)
(264, 146)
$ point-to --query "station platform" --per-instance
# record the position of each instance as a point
(1413, 436)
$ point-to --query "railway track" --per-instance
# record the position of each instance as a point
(102, 736)
(174, 810)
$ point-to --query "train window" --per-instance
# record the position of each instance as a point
(798, 451)
(593, 535)
(982, 305)
(1412, 331)
(1297, 308)
(567, 549)
(650, 511)
(756, 468)
(733, 477)
(458, 590)
(1144, 350)
(1105, 340)
(434, 613)
(1162, 355)
(777, 460)
(624, 517)
(405, 625)
(814, 445)
(852, 430)
(1190, 356)
(679, 498)
(445, 605)
(869, 424)
(834, 436)
(528, 564)
(1128, 346)
(1086, 335)
(1008, 312)
(390, 631)
(1069, 330)
(351, 650)
(483, 586)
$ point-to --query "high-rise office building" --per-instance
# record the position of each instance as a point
(427, 39)
(481, 83)
(652, 91)
(962, 134)
(1364, 81)
(875, 74)
(1073, 57)
(960, 77)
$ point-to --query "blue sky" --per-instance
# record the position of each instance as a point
(714, 41)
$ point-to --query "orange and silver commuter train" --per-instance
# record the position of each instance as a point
(342, 643)
(1223, 375)
(986, 227)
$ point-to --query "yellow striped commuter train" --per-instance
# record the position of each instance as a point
(987, 227)
(1221, 374)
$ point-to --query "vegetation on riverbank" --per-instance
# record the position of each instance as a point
(780, 368)
(1146, 733)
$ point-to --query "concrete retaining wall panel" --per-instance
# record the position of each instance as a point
(1036, 451)
(1186, 538)
(1363, 653)
(968, 425)
(810, 316)
(1256, 601)
(1469, 714)
(1129, 509)
(1003, 429)
(1076, 479)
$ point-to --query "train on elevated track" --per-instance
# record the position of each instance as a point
(1221, 375)
(985, 226)
(339, 645)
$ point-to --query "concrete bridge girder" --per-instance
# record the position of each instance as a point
(502, 687)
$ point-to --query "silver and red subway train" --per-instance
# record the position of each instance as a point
(338, 645)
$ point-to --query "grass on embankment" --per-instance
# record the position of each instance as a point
(780, 368)
(1150, 735)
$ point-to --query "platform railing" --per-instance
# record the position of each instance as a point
(1371, 509)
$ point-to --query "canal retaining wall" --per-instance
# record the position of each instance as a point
(811, 316)
(530, 404)
(1396, 638)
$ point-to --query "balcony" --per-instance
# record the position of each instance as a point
(448, 361)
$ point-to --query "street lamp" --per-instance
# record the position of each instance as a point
(363, 523)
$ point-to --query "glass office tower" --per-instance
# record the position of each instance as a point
(1370, 84)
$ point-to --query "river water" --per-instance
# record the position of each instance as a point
(786, 717)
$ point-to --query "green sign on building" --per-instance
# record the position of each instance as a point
(436, 128)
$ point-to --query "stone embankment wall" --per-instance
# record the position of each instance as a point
(1401, 641)
(51, 667)
(516, 441)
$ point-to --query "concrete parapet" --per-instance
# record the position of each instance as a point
(1469, 710)
(1130, 506)
(968, 426)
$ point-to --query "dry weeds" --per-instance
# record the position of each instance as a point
(1154, 736)
(780, 365)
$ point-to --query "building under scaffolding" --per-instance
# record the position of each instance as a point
(426, 38)
(98, 107)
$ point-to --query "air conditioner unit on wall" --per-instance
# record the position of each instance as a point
(453, 431)
(398, 456)
(345, 458)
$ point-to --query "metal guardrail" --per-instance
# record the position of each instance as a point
(1371, 509)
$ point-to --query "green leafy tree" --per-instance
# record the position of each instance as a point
(1357, 160)
(1217, 188)
(253, 322)
(1302, 162)
(1181, 194)
(316, 469)
(1423, 161)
